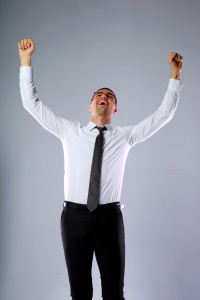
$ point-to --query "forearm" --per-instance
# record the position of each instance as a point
(40, 112)
(150, 125)
(26, 61)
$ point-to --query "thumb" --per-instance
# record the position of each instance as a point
(173, 55)
(32, 43)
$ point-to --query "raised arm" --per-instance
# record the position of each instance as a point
(150, 125)
(44, 115)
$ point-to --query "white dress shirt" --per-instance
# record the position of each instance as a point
(78, 141)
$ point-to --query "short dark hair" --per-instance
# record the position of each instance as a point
(109, 90)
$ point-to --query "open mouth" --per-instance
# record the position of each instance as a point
(102, 103)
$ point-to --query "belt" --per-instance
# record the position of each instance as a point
(112, 205)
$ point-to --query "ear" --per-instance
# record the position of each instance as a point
(89, 107)
(115, 110)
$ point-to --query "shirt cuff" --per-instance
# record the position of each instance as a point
(26, 72)
(175, 85)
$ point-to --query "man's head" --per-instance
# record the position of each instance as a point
(103, 103)
(108, 91)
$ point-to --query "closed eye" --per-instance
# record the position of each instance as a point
(108, 94)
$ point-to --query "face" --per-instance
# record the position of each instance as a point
(103, 102)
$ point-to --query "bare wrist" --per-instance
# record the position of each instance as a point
(175, 75)
(26, 61)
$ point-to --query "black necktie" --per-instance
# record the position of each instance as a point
(95, 175)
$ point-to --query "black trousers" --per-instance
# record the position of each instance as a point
(85, 233)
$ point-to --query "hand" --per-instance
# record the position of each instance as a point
(175, 62)
(26, 48)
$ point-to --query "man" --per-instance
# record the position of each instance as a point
(95, 156)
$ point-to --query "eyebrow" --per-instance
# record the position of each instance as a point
(106, 93)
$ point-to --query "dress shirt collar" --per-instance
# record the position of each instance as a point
(91, 126)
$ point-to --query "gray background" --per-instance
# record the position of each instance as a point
(80, 47)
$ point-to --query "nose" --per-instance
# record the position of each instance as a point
(104, 95)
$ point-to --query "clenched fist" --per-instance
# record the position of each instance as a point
(26, 48)
(175, 62)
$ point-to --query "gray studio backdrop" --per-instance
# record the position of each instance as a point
(80, 47)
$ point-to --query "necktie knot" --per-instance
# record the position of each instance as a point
(101, 128)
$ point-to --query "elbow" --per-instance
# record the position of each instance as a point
(165, 116)
(171, 115)
(25, 104)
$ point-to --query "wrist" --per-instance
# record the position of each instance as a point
(175, 75)
(26, 61)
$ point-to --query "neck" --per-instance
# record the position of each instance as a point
(100, 121)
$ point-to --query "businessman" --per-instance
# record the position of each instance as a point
(94, 161)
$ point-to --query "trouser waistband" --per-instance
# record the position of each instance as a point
(112, 205)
